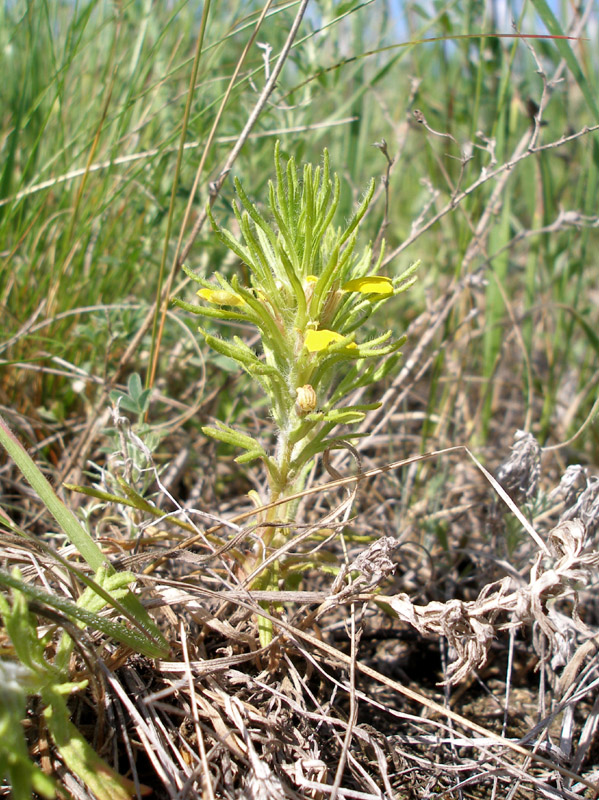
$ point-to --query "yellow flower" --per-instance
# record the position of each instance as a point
(315, 341)
(221, 297)
(375, 284)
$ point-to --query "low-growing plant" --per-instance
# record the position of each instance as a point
(310, 294)
(41, 666)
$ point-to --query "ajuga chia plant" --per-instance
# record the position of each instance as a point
(309, 296)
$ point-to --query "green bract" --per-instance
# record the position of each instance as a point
(309, 294)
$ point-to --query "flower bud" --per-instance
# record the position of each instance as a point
(306, 400)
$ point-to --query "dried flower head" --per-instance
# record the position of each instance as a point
(586, 507)
(470, 627)
(573, 481)
(519, 475)
(376, 562)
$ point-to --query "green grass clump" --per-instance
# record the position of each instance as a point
(94, 101)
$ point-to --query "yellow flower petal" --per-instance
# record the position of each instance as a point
(315, 341)
(221, 297)
(320, 340)
(375, 284)
(311, 278)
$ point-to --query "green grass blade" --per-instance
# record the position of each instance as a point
(116, 630)
(67, 521)
(563, 46)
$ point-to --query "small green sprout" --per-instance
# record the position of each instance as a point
(309, 295)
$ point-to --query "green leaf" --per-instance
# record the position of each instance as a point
(22, 631)
(135, 500)
(229, 240)
(239, 352)
(215, 312)
(67, 521)
(139, 502)
(116, 630)
(144, 400)
(125, 402)
(78, 755)
(251, 209)
(134, 387)
(230, 436)
(342, 416)
(22, 774)
(252, 455)
(359, 213)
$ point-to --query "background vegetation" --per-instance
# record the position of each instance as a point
(120, 121)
